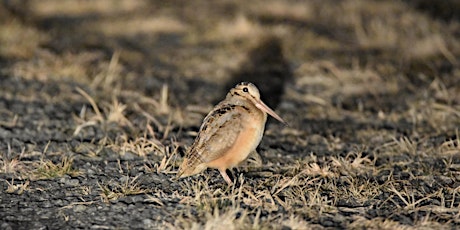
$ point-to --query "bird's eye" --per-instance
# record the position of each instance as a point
(245, 89)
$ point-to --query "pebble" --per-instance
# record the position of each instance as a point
(148, 223)
(6, 226)
(79, 208)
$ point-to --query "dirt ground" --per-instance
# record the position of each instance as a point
(99, 101)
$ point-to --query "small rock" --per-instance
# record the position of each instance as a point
(6, 226)
(64, 180)
(73, 182)
(90, 172)
(148, 223)
(79, 208)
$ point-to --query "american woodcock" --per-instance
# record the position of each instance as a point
(231, 131)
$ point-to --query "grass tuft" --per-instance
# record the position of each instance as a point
(116, 191)
(48, 169)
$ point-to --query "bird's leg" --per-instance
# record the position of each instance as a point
(225, 176)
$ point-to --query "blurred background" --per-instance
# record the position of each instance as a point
(207, 42)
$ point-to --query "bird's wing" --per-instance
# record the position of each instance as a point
(218, 133)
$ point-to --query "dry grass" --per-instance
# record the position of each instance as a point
(277, 9)
(114, 115)
(48, 66)
(138, 26)
(10, 164)
(78, 8)
(17, 188)
(127, 186)
(450, 147)
(236, 29)
(19, 41)
(47, 169)
(15, 164)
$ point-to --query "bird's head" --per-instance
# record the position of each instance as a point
(246, 91)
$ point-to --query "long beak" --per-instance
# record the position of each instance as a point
(262, 106)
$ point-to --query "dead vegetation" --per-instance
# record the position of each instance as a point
(115, 191)
(373, 108)
(47, 169)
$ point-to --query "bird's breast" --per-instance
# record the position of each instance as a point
(246, 142)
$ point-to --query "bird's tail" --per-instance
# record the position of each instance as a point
(182, 169)
(191, 165)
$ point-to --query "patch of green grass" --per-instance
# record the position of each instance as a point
(48, 169)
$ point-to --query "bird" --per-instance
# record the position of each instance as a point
(229, 133)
